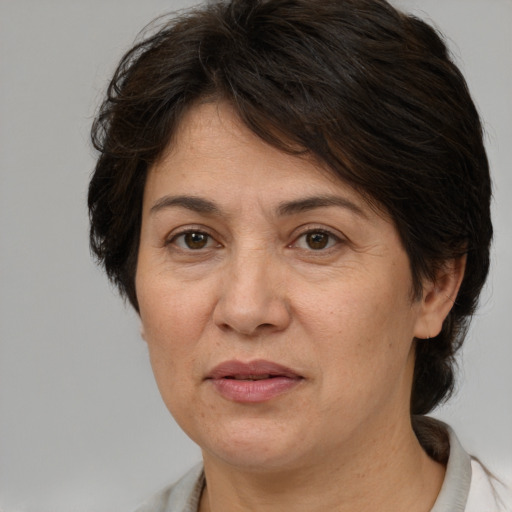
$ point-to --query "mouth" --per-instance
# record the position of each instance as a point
(255, 381)
(251, 377)
(253, 370)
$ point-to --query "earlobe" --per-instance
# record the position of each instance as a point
(142, 333)
(438, 298)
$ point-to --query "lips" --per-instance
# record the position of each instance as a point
(255, 381)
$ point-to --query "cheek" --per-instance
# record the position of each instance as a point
(171, 310)
(362, 310)
(363, 329)
(173, 319)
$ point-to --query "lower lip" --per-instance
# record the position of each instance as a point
(253, 391)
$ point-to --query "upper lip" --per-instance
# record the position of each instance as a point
(252, 369)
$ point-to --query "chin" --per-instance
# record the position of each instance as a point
(253, 447)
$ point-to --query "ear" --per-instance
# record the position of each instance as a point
(142, 333)
(438, 298)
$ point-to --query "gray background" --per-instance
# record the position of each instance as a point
(82, 427)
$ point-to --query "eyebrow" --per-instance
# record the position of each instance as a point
(205, 206)
(324, 201)
(196, 204)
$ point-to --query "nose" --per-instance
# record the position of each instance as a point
(253, 297)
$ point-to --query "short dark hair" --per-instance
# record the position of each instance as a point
(369, 91)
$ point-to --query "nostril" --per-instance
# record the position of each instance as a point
(251, 314)
(247, 330)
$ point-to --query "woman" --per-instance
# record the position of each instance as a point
(295, 197)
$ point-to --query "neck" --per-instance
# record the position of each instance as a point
(389, 471)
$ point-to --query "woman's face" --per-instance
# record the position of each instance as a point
(276, 304)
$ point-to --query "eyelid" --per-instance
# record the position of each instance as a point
(171, 237)
(300, 232)
(305, 230)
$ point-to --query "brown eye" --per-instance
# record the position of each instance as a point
(193, 240)
(196, 240)
(317, 241)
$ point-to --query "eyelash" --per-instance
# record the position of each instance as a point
(175, 237)
(332, 240)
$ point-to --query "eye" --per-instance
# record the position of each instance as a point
(193, 240)
(316, 240)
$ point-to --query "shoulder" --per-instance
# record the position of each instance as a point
(182, 496)
(488, 492)
(468, 485)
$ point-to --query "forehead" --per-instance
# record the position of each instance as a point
(213, 130)
(214, 152)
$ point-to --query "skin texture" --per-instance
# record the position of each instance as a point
(251, 287)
